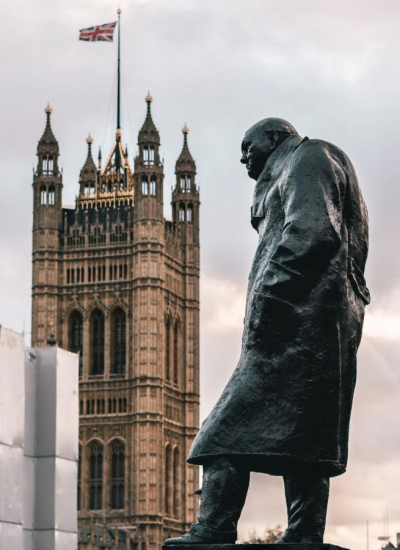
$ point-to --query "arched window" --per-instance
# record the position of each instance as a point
(50, 165)
(181, 212)
(86, 190)
(82, 275)
(119, 342)
(78, 275)
(188, 184)
(183, 184)
(79, 477)
(151, 155)
(44, 164)
(176, 351)
(81, 407)
(117, 475)
(52, 195)
(189, 214)
(176, 483)
(167, 484)
(168, 349)
(110, 272)
(153, 186)
(96, 476)
(97, 340)
(76, 337)
(73, 276)
(43, 194)
(68, 277)
(145, 185)
(146, 155)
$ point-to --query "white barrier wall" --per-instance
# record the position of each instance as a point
(38, 446)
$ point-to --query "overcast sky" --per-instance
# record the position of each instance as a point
(330, 68)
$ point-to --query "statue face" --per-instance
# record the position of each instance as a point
(257, 147)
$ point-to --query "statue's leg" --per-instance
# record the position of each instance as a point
(307, 502)
(223, 495)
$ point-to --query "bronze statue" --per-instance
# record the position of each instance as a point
(286, 409)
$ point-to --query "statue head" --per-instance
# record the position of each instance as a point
(261, 140)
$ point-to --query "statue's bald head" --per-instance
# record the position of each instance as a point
(261, 140)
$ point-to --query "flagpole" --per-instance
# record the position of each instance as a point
(119, 73)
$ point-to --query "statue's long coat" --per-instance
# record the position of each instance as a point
(287, 405)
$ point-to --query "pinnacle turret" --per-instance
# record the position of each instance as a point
(185, 162)
(148, 134)
(48, 142)
(88, 173)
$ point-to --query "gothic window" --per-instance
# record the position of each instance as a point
(146, 155)
(110, 272)
(176, 483)
(125, 271)
(91, 191)
(79, 477)
(176, 343)
(50, 165)
(94, 273)
(183, 184)
(68, 277)
(81, 407)
(117, 475)
(76, 337)
(43, 194)
(99, 273)
(78, 275)
(151, 156)
(90, 274)
(44, 164)
(120, 271)
(189, 215)
(145, 185)
(104, 272)
(82, 275)
(115, 272)
(119, 342)
(188, 184)
(181, 212)
(86, 190)
(168, 349)
(73, 276)
(153, 186)
(52, 195)
(167, 483)
(96, 476)
(97, 340)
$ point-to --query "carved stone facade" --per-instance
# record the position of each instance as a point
(115, 281)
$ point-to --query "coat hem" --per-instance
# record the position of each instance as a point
(276, 464)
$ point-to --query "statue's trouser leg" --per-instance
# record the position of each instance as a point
(224, 491)
(307, 502)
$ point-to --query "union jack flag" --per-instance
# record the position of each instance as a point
(100, 33)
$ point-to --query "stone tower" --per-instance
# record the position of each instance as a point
(116, 282)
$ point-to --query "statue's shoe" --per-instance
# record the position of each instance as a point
(199, 534)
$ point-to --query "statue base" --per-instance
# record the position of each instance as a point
(219, 546)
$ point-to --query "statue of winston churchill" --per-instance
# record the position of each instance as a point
(286, 409)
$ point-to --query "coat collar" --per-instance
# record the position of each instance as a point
(271, 171)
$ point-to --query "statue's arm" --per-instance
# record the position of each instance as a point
(312, 201)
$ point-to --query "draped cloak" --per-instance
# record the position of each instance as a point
(287, 405)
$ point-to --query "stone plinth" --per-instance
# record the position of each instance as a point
(310, 546)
